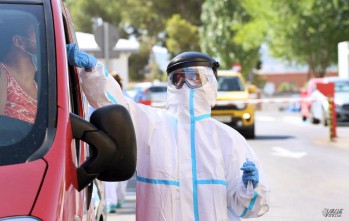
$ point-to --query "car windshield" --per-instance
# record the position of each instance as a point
(158, 89)
(230, 83)
(23, 82)
(342, 86)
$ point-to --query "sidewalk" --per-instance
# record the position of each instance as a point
(341, 141)
(128, 211)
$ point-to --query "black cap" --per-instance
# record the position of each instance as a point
(190, 59)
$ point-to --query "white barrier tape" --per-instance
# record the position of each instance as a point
(266, 100)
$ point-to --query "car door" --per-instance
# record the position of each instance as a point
(79, 106)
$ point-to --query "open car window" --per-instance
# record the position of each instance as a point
(23, 62)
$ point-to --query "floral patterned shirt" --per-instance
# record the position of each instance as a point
(19, 104)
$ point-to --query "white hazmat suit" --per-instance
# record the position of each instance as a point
(188, 164)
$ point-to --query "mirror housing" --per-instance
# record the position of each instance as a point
(117, 124)
(112, 142)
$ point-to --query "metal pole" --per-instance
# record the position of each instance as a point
(331, 119)
(106, 43)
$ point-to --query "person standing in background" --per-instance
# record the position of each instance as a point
(115, 191)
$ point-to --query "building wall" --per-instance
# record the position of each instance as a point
(299, 79)
(343, 59)
(119, 65)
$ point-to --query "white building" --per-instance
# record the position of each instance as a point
(121, 53)
(343, 59)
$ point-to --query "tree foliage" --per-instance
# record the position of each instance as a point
(303, 31)
(144, 19)
(84, 11)
(152, 16)
(308, 31)
(181, 35)
(221, 21)
(137, 63)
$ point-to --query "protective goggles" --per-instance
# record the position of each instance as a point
(193, 77)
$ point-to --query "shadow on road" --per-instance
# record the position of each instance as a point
(273, 137)
(342, 124)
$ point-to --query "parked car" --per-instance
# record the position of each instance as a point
(319, 108)
(306, 99)
(149, 93)
(232, 107)
(49, 166)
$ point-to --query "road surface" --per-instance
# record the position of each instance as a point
(308, 175)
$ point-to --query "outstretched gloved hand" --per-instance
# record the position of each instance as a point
(250, 173)
(80, 58)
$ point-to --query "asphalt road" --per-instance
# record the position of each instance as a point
(307, 173)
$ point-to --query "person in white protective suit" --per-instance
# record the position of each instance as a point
(189, 166)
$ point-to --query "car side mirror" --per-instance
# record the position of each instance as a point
(112, 141)
(117, 124)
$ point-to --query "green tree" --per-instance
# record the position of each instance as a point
(137, 63)
(308, 31)
(220, 23)
(84, 12)
(144, 19)
(151, 16)
(181, 35)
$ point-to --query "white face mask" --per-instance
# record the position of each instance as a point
(33, 56)
(34, 59)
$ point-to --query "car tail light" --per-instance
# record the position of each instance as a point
(146, 98)
(146, 102)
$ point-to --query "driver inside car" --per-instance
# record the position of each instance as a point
(18, 87)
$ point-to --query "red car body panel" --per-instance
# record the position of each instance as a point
(61, 57)
(20, 184)
(48, 187)
(60, 179)
(60, 184)
(53, 166)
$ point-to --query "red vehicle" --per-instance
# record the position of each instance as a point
(148, 93)
(48, 167)
(306, 102)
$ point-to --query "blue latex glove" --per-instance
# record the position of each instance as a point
(250, 173)
(80, 58)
